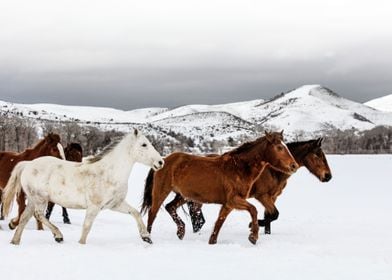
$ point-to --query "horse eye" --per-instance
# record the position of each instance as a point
(280, 148)
(144, 145)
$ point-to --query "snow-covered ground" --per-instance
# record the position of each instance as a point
(336, 230)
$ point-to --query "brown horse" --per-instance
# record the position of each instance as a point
(225, 179)
(45, 147)
(272, 182)
(73, 152)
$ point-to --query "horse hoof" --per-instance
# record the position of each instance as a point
(267, 232)
(11, 226)
(59, 239)
(68, 222)
(181, 234)
(252, 240)
(197, 226)
(15, 242)
(212, 241)
(147, 239)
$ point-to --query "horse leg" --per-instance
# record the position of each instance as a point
(223, 213)
(66, 219)
(271, 213)
(172, 209)
(197, 216)
(1, 210)
(39, 214)
(125, 208)
(49, 210)
(21, 200)
(39, 223)
(91, 214)
(241, 204)
(25, 217)
(158, 198)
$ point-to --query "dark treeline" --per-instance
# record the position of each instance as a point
(17, 134)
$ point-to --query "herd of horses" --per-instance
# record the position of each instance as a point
(47, 174)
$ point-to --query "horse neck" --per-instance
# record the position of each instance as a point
(253, 159)
(255, 154)
(32, 153)
(118, 161)
(299, 152)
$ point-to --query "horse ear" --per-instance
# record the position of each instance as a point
(281, 133)
(320, 141)
(136, 132)
(268, 136)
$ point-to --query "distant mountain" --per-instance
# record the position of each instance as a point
(383, 103)
(310, 110)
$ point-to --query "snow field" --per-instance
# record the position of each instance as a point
(336, 230)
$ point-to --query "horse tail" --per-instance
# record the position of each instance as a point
(13, 187)
(147, 197)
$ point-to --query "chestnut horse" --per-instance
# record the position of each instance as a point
(49, 146)
(225, 179)
(73, 152)
(272, 182)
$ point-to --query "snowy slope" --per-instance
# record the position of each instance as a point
(238, 109)
(314, 108)
(310, 110)
(81, 113)
(325, 231)
(383, 103)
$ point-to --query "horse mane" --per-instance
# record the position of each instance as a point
(300, 143)
(249, 145)
(302, 148)
(243, 148)
(106, 150)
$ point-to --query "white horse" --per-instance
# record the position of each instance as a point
(97, 184)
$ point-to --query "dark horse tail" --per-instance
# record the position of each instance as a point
(147, 197)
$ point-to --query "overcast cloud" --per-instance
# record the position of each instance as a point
(131, 54)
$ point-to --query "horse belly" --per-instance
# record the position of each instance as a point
(69, 196)
(204, 191)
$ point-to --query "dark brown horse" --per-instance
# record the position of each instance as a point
(272, 182)
(225, 179)
(49, 146)
(73, 152)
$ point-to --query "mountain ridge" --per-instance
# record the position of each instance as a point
(308, 110)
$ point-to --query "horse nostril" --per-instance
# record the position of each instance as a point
(294, 166)
(160, 163)
(327, 177)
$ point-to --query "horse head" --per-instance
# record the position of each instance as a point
(278, 155)
(74, 152)
(144, 152)
(316, 162)
(52, 146)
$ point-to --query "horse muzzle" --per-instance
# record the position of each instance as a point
(327, 177)
(158, 165)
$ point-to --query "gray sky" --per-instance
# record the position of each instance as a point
(132, 54)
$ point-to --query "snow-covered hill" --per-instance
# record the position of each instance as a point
(383, 103)
(308, 110)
